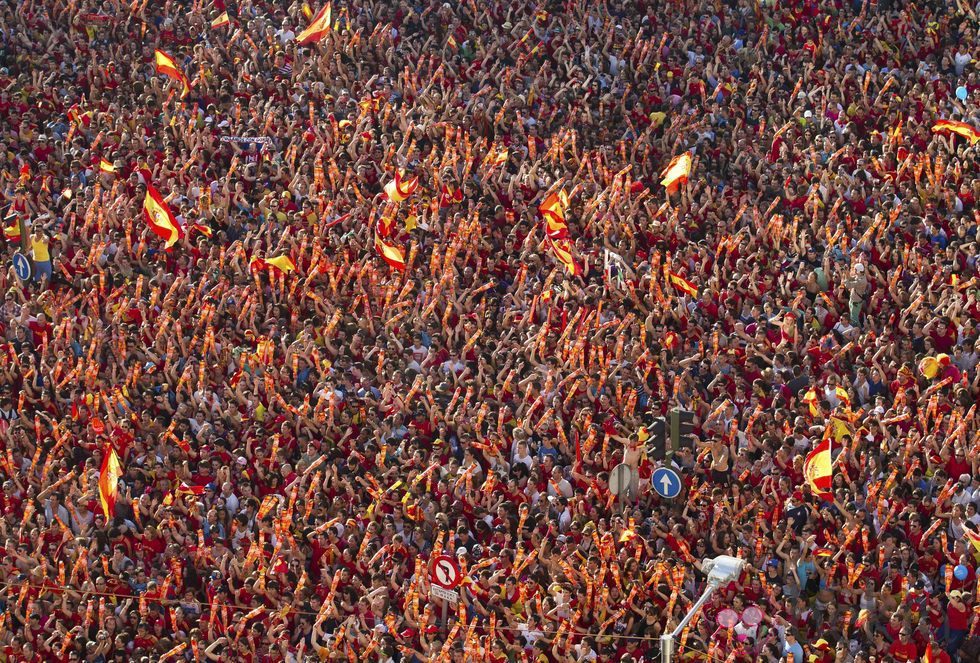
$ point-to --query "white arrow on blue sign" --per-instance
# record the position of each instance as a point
(22, 266)
(666, 482)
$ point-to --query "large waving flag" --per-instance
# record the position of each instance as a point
(553, 210)
(393, 255)
(398, 189)
(161, 220)
(282, 263)
(318, 27)
(818, 469)
(682, 284)
(109, 481)
(959, 128)
(221, 21)
(167, 66)
(562, 248)
(676, 172)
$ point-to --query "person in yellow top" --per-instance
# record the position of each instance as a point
(41, 255)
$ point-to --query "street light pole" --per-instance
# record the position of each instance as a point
(667, 641)
(721, 570)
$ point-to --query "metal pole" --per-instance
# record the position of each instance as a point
(667, 641)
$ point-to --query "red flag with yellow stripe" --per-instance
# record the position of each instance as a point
(959, 128)
(167, 66)
(393, 255)
(682, 284)
(818, 469)
(676, 172)
(281, 263)
(553, 210)
(562, 248)
(318, 27)
(399, 189)
(221, 21)
(159, 217)
(109, 475)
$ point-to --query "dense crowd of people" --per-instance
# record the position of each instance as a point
(369, 346)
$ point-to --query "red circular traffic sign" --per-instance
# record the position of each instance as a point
(445, 572)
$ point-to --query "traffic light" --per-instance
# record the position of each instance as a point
(682, 430)
(657, 443)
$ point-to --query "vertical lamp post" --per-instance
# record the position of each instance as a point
(721, 570)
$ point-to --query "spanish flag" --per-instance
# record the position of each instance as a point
(450, 196)
(109, 481)
(562, 248)
(393, 255)
(78, 117)
(106, 166)
(843, 396)
(203, 229)
(12, 233)
(676, 172)
(818, 469)
(398, 190)
(682, 284)
(974, 538)
(960, 128)
(221, 21)
(553, 210)
(162, 221)
(282, 263)
(862, 618)
(183, 490)
(810, 398)
(318, 27)
(168, 67)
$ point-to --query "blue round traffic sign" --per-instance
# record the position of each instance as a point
(22, 266)
(666, 482)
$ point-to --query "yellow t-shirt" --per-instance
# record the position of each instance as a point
(40, 250)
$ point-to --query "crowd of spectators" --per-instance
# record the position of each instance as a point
(297, 445)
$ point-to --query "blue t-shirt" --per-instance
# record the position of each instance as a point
(795, 649)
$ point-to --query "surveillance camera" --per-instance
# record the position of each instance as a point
(722, 569)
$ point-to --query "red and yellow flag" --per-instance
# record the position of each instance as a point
(682, 284)
(974, 538)
(167, 66)
(221, 21)
(553, 210)
(12, 233)
(398, 189)
(282, 263)
(810, 398)
(676, 172)
(161, 220)
(109, 481)
(862, 618)
(78, 117)
(960, 128)
(562, 248)
(393, 255)
(318, 27)
(818, 469)
(106, 166)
